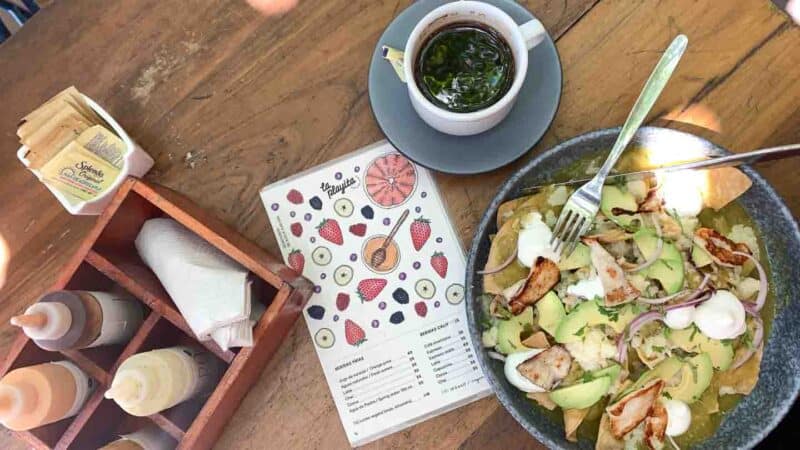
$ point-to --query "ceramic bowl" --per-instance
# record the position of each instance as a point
(758, 413)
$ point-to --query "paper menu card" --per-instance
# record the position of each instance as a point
(391, 331)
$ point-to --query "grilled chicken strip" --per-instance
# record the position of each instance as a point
(547, 368)
(543, 276)
(628, 412)
(616, 287)
(721, 248)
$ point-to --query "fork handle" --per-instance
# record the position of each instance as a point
(652, 89)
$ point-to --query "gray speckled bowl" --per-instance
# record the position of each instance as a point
(758, 413)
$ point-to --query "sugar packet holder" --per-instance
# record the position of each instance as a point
(136, 163)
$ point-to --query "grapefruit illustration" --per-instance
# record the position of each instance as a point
(390, 180)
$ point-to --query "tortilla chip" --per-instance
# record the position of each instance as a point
(536, 340)
(724, 185)
(743, 379)
(572, 420)
(503, 246)
(708, 403)
(605, 439)
(628, 412)
(655, 427)
(506, 210)
(543, 399)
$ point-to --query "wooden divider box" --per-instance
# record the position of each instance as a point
(108, 257)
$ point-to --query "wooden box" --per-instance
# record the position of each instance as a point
(108, 256)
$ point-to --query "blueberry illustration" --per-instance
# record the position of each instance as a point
(418, 210)
(417, 265)
(367, 212)
(274, 206)
(424, 194)
(338, 175)
(316, 312)
(307, 217)
(335, 317)
(353, 257)
(313, 239)
(322, 276)
(375, 323)
(402, 276)
(387, 221)
(317, 289)
(439, 240)
(400, 296)
(397, 318)
(382, 305)
(436, 304)
(357, 169)
(315, 203)
(292, 214)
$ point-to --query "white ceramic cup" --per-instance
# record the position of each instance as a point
(521, 38)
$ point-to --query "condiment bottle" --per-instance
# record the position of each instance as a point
(70, 320)
(150, 382)
(38, 395)
(148, 438)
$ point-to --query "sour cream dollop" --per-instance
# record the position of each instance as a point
(682, 192)
(680, 318)
(679, 417)
(721, 317)
(534, 240)
(589, 288)
(512, 374)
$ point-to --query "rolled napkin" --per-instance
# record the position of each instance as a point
(212, 291)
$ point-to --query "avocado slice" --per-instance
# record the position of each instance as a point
(696, 375)
(591, 313)
(611, 371)
(692, 340)
(550, 311)
(618, 197)
(700, 257)
(582, 395)
(580, 257)
(664, 370)
(509, 332)
(668, 270)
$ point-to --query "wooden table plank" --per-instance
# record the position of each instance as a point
(227, 101)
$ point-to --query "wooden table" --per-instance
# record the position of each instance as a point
(227, 101)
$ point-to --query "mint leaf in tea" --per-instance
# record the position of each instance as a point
(464, 67)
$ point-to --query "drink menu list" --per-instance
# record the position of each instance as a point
(387, 316)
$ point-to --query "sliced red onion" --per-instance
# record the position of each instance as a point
(497, 356)
(705, 296)
(763, 286)
(757, 337)
(659, 249)
(661, 300)
(641, 320)
(622, 348)
(502, 265)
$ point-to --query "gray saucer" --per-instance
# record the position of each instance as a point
(519, 132)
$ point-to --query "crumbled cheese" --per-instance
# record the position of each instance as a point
(550, 218)
(593, 352)
(747, 288)
(745, 235)
(638, 188)
(558, 197)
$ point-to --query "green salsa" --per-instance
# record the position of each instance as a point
(464, 67)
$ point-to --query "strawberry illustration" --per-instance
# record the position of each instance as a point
(330, 231)
(295, 197)
(370, 288)
(439, 264)
(421, 308)
(297, 229)
(420, 232)
(354, 333)
(359, 229)
(342, 301)
(297, 261)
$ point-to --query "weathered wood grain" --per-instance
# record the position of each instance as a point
(227, 101)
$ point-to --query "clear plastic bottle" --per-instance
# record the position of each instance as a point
(148, 438)
(150, 382)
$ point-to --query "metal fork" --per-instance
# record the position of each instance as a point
(578, 214)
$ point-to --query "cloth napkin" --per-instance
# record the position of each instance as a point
(211, 290)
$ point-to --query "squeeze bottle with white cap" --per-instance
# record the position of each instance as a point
(71, 320)
(148, 438)
(150, 382)
(45, 393)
